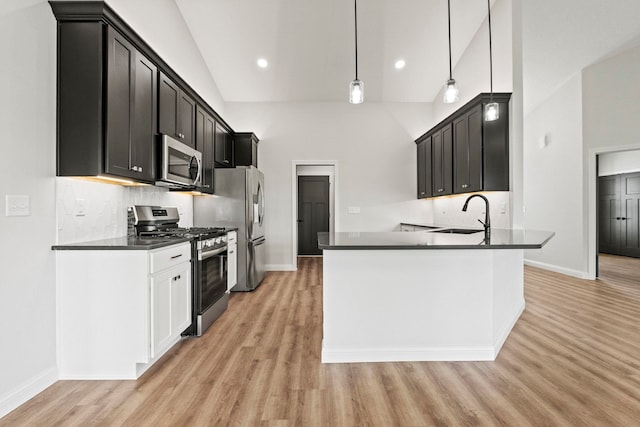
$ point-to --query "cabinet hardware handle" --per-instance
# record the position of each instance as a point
(176, 256)
(618, 218)
(230, 252)
(440, 190)
(177, 278)
(140, 169)
(226, 161)
(623, 218)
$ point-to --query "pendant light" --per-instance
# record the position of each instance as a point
(450, 88)
(356, 87)
(492, 109)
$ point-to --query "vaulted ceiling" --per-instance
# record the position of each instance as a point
(310, 46)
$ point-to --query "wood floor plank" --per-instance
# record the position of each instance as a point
(572, 359)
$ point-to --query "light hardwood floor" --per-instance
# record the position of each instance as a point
(573, 359)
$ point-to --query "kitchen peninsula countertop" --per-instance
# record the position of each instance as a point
(428, 239)
(120, 243)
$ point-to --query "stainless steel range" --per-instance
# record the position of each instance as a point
(208, 259)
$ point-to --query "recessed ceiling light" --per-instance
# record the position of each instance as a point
(262, 63)
(400, 63)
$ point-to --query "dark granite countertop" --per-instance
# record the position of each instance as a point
(500, 239)
(119, 244)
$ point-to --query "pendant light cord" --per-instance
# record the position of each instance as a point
(355, 14)
(449, 19)
(490, 52)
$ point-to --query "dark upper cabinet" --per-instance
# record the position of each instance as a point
(246, 149)
(223, 147)
(131, 110)
(425, 188)
(205, 138)
(107, 100)
(177, 112)
(441, 152)
(469, 154)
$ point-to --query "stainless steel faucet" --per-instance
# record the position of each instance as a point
(487, 220)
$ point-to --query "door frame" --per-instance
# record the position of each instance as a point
(333, 201)
(592, 204)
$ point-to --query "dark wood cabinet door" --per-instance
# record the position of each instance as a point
(223, 147)
(143, 125)
(169, 93)
(467, 152)
(245, 148)
(131, 111)
(441, 162)
(204, 137)
(121, 56)
(186, 119)
(424, 169)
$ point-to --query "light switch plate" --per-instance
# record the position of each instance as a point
(17, 205)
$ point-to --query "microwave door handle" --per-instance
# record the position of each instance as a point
(195, 181)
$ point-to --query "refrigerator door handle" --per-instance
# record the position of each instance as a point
(259, 241)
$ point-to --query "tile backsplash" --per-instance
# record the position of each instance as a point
(89, 210)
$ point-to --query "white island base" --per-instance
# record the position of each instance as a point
(419, 305)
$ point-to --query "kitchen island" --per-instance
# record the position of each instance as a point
(422, 296)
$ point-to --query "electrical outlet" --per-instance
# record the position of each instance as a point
(17, 205)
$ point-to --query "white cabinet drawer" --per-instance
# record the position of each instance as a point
(164, 258)
(232, 237)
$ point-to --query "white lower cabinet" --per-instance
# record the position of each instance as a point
(232, 257)
(120, 310)
(170, 306)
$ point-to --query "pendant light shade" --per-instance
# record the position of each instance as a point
(492, 109)
(356, 92)
(451, 93)
(356, 87)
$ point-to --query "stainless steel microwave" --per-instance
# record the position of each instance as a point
(181, 165)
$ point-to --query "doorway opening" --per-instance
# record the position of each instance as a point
(615, 205)
(314, 188)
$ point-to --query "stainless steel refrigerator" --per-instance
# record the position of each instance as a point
(238, 202)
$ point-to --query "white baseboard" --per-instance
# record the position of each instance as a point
(280, 267)
(469, 354)
(557, 269)
(27, 390)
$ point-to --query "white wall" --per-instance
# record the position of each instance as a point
(618, 162)
(160, 24)
(373, 144)
(554, 190)
(27, 167)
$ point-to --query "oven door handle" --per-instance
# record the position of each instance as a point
(212, 253)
